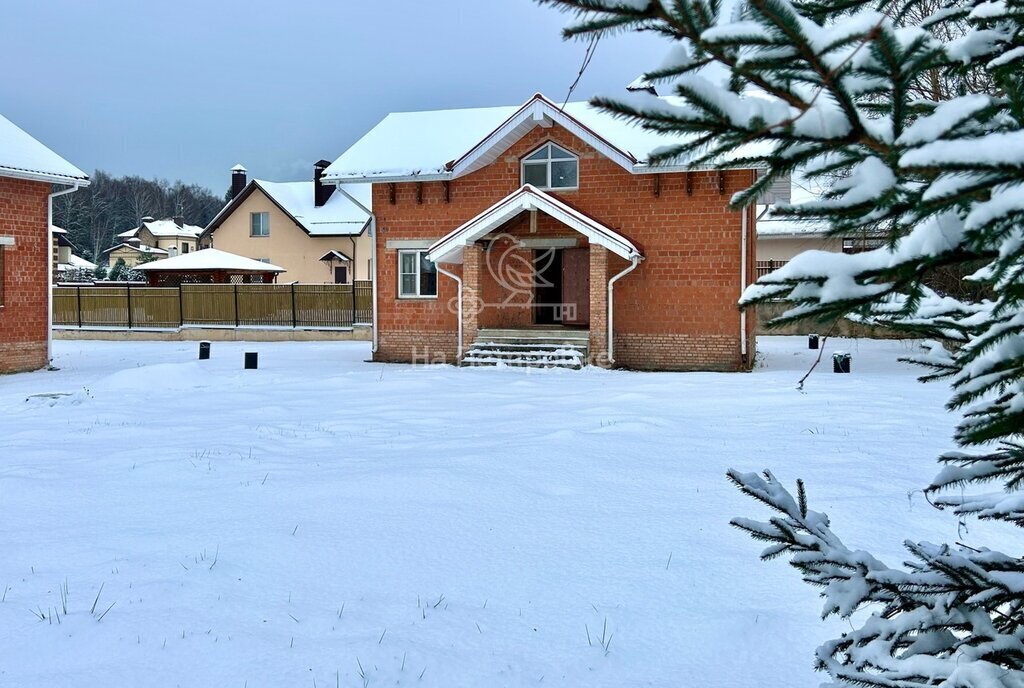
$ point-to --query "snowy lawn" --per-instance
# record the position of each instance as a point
(324, 521)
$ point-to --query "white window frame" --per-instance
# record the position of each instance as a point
(418, 252)
(547, 163)
(265, 226)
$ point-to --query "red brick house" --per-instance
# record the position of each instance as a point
(538, 234)
(30, 176)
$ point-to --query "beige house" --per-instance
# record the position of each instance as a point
(133, 255)
(315, 232)
(157, 238)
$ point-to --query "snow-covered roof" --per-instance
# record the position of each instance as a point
(163, 229)
(335, 254)
(788, 227)
(23, 157)
(76, 263)
(209, 259)
(339, 216)
(447, 144)
(142, 248)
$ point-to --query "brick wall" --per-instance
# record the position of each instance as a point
(23, 316)
(681, 299)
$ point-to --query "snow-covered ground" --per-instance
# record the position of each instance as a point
(324, 521)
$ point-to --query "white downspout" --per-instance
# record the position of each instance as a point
(372, 231)
(49, 273)
(633, 262)
(743, 285)
(458, 281)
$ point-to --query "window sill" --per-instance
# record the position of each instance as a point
(557, 188)
(417, 298)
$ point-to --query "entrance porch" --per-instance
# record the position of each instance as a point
(534, 283)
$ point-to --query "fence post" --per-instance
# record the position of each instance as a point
(236, 306)
(295, 315)
(181, 308)
(129, 304)
(78, 299)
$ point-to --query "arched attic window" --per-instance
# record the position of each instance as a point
(551, 167)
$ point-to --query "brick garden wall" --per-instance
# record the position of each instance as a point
(675, 311)
(23, 315)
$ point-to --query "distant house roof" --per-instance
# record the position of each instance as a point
(163, 229)
(76, 263)
(802, 191)
(339, 216)
(23, 157)
(209, 260)
(61, 235)
(447, 144)
(141, 249)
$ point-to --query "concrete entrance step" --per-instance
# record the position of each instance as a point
(547, 348)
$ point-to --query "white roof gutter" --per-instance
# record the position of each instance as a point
(633, 263)
(75, 182)
(49, 267)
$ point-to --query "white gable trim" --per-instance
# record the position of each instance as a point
(449, 248)
(539, 111)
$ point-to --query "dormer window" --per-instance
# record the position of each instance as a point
(551, 167)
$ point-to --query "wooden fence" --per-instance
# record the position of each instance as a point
(766, 266)
(219, 305)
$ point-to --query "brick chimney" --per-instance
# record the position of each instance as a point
(238, 180)
(321, 192)
(179, 221)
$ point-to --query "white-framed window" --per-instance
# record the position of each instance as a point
(259, 224)
(184, 248)
(551, 167)
(417, 276)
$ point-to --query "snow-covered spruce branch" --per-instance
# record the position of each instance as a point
(879, 103)
(952, 617)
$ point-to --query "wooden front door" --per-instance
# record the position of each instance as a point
(576, 286)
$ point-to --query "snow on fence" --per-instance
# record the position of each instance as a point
(216, 305)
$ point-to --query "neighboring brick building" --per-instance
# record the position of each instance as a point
(28, 173)
(542, 215)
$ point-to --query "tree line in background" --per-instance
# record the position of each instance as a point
(93, 215)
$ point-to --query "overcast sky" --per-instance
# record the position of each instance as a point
(186, 89)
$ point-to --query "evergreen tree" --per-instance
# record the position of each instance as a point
(834, 89)
(119, 271)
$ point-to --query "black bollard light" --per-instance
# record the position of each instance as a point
(204, 351)
(812, 341)
(250, 360)
(840, 362)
